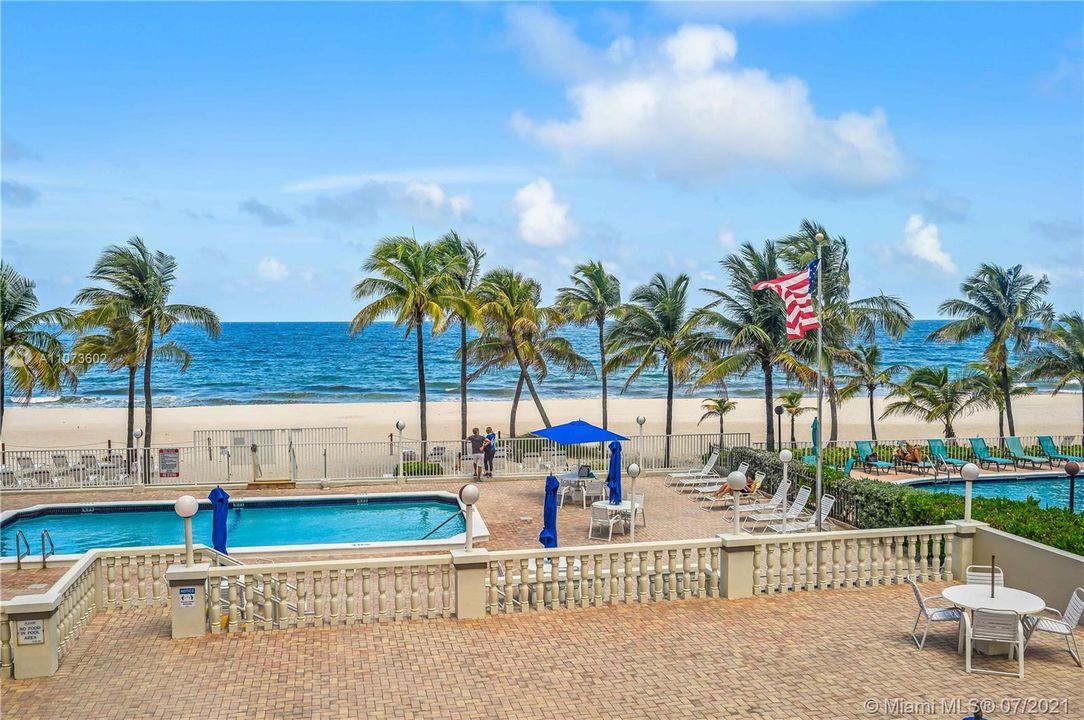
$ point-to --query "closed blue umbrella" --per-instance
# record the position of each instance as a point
(220, 511)
(548, 536)
(613, 477)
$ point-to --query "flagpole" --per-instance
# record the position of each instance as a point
(820, 384)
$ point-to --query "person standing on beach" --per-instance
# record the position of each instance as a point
(489, 450)
(476, 443)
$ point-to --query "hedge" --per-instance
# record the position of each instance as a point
(419, 468)
(876, 504)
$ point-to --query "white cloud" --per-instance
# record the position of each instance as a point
(678, 111)
(726, 238)
(424, 200)
(922, 240)
(272, 270)
(621, 49)
(431, 197)
(543, 220)
(697, 48)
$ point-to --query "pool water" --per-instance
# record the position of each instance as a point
(1051, 491)
(251, 524)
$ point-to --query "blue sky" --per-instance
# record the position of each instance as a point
(268, 146)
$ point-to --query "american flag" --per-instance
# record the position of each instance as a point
(795, 288)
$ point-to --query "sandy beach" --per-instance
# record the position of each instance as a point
(71, 427)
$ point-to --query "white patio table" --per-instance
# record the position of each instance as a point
(971, 597)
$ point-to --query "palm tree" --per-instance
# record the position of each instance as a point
(869, 375)
(493, 352)
(509, 303)
(138, 284)
(791, 402)
(31, 351)
(118, 345)
(1062, 360)
(466, 278)
(988, 382)
(718, 407)
(593, 297)
(842, 319)
(656, 327)
(754, 323)
(415, 282)
(1008, 305)
(932, 395)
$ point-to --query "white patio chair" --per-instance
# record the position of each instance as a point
(810, 523)
(696, 473)
(994, 626)
(1061, 624)
(931, 614)
(723, 495)
(593, 488)
(794, 509)
(7, 478)
(684, 483)
(980, 575)
(773, 504)
(638, 506)
(604, 518)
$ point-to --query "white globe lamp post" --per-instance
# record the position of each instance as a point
(468, 495)
(736, 481)
(785, 456)
(187, 506)
(640, 420)
(634, 472)
(400, 426)
(970, 473)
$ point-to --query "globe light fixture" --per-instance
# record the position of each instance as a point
(736, 481)
(186, 506)
(468, 495)
(970, 473)
(634, 472)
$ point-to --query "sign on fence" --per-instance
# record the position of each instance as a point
(169, 462)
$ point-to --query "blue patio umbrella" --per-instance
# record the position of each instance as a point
(548, 536)
(613, 477)
(220, 511)
(576, 432)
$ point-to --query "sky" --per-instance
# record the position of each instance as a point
(269, 146)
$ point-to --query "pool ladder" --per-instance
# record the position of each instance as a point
(22, 548)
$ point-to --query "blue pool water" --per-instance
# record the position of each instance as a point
(251, 524)
(1052, 491)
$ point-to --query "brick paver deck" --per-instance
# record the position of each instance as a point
(822, 654)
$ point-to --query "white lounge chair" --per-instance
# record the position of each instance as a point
(980, 575)
(794, 509)
(682, 483)
(697, 473)
(810, 523)
(603, 517)
(994, 626)
(931, 614)
(708, 502)
(773, 504)
(1060, 624)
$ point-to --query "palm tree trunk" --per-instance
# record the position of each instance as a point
(3, 391)
(1006, 390)
(602, 369)
(463, 377)
(833, 411)
(722, 432)
(530, 383)
(792, 440)
(872, 419)
(515, 406)
(129, 441)
(420, 354)
(1081, 410)
(148, 404)
(769, 393)
(950, 433)
(669, 410)
(1000, 426)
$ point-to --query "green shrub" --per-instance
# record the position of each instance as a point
(870, 504)
(420, 468)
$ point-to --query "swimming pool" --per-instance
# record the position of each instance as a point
(1049, 490)
(332, 521)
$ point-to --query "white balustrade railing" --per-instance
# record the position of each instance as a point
(7, 657)
(337, 592)
(376, 462)
(134, 577)
(597, 575)
(852, 558)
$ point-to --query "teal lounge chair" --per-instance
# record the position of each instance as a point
(983, 456)
(1016, 452)
(1051, 450)
(810, 460)
(847, 467)
(919, 467)
(939, 453)
(865, 450)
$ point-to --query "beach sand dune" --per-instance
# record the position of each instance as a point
(59, 427)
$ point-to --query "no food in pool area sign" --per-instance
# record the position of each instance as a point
(30, 632)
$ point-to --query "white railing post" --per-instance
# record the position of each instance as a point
(471, 569)
(736, 577)
(188, 599)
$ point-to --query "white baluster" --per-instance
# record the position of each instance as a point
(351, 615)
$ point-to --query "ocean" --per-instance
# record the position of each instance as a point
(318, 362)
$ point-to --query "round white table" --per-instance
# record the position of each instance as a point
(971, 597)
(1005, 598)
(625, 506)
